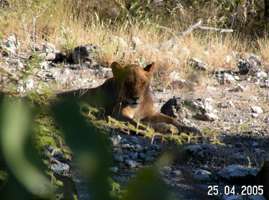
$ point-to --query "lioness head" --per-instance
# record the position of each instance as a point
(133, 82)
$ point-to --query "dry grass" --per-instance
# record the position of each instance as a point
(263, 45)
(128, 41)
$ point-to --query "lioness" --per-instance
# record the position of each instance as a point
(127, 96)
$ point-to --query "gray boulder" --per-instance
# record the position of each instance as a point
(198, 64)
(202, 175)
(83, 54)
(238, 173)
(249, 65)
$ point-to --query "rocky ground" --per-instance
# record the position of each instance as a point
(230, 108)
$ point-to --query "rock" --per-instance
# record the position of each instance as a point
(142, 156)
(116, 140)
(206, 116)
(267, 120)
(262, 75)
(254, 115)
(158, 2)
(139, 148)
(177, 172)
(255, 144)
(174, 76)
(176, 81)
(29, 84)
(37, 47)
(59, 155)
(207, 104)
(118, 158)
(11, 44)
(26, 86)
(50, 57)
(131, 163)
(200, 150)
(249, 65)
(102, 72)
(240, 157)
(256, 110)
(243, 66)
(238, 88)
(203, 109)
(17, 63)
(48, 52)
(202, 175)
(237, 78)
(114, 169)
(172, 107)
(265, 84)
(198, 64)
(133, 155)
(134, 139)
(256, 197)
(149, 158)
(237, 173)
(44, 65)
(60, 168)
(47, 151)
(226, 104)
(48, 48)
(167, 169)
(55, 155)
(20, 89)
(82, 54)
(127, 146)
(260, 153)
(228, 78)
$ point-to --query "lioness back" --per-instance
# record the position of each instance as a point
(129, 87)
(126, 96)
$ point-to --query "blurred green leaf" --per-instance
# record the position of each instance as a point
(147, 185)
(15, 134)
(90, 146)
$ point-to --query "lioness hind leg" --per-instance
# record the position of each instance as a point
(160, 118)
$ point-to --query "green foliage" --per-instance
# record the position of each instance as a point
(18, 154)
(3, 178)
(46, 134)
(89, 144)
(33, 63)
(147, 186)
(116, 190)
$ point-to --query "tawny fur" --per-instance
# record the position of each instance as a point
(126, 96)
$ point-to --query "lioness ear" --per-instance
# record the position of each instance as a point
(150, 68)
(116, 69)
